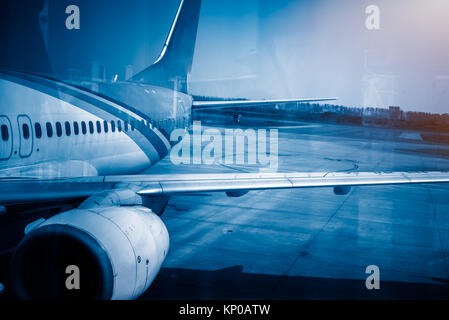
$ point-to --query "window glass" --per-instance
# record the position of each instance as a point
(68, 130)
(76, 128)
(38, 130)
(26, 131)
(119, 125)
(126, 125)
(5, 132)
(91, 127)
(132, 126)
(98, 127)
(105, 125)
(83, 127)
(49, 129)
(112, 126)
(58, 129)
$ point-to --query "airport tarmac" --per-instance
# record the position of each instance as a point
(311, 243)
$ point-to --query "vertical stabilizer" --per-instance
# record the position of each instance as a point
(172, 67)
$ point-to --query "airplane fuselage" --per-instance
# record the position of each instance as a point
(53, 129)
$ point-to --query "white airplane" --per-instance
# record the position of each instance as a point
(60, 141)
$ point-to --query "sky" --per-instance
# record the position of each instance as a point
(259, 48)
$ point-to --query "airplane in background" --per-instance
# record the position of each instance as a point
(63, 141)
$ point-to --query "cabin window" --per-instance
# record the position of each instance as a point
(68, 130)
(112, 126)
(105, 125)
(26, 131)
(38, 130)
(91, 127)
(83, 127)
(98, 127)
(76, 128)
(58, 129)
(49, 129)
(132, 126)
(119, 125)
(126, 125)
(5, 132)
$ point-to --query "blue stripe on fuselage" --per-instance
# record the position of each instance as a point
(44, 84)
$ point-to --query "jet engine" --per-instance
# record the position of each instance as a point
(100, 253)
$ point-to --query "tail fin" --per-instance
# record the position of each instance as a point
(172, 67)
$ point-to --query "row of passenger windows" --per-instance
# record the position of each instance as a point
(77, 128)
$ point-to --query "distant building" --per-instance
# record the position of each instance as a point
(98, 71)
(395, 113)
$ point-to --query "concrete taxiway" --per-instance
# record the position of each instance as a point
(311, 243)
(304, 243)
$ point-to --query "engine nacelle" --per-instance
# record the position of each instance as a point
(110, 252)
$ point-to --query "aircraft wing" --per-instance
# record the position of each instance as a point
(208, 105)
(13, 190)
(189, 183)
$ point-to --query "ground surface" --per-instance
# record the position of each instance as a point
(307, 243)
(310, 243)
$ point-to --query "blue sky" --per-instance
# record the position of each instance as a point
(275, 49)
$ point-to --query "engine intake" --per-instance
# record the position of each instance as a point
(117, 251)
